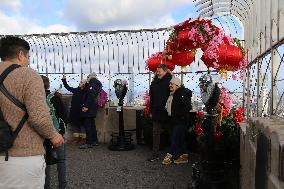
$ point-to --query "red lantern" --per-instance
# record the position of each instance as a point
(159, 58)
(184, 43)
(229, 58)
(183, 58)
(153, 62)
(169, 64)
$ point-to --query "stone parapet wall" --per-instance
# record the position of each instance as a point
(262, 154)
(107, 120)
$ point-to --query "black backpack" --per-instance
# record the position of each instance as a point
(7, 136)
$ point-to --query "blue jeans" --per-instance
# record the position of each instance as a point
(178, 143)
(61, 169)
(91, 131)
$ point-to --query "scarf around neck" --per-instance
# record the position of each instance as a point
(169, 103)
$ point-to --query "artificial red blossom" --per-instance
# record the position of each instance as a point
(199, 117)
(191, 34)
(218, 134)
(198, 124)
(225, 102)
(199, 114)
(239, 115)
(158, 58)
(234, 77)
(146, 98)
(198, 131)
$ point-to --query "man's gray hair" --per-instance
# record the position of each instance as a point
(91, 76)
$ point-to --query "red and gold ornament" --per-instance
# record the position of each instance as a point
(159, 58)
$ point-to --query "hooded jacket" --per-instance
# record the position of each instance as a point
(60, 111)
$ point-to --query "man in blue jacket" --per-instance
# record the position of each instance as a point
(89, 110)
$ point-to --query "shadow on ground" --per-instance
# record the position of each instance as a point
(105, 169)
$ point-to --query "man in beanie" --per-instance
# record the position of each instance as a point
(159, 93)
(91, 76)
(178, 106)
(89, 110)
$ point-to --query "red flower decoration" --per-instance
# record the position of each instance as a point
(198, 124)
(199, 114)
(147, 105)
(159, 58)
(182, 25)
(191, 34)
(239, 115)
(218, 135)
(198, 131)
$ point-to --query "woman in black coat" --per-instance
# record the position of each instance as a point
(75, 110)
(178, 106)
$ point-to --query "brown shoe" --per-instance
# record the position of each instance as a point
(182, 159)
(75, 140)
(81, 141)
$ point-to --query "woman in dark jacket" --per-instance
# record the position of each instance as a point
(89, 110)
(178, 106)
(75, 110)
(159, 93)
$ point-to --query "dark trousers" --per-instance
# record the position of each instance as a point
(91, 131)
(158, 127)
(78, 126)
(178, 142)
(61, 169)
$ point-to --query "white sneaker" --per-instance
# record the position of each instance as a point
(168, 159)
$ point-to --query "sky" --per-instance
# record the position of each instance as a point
(47, 16)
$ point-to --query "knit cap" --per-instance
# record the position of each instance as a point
(176, 81)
